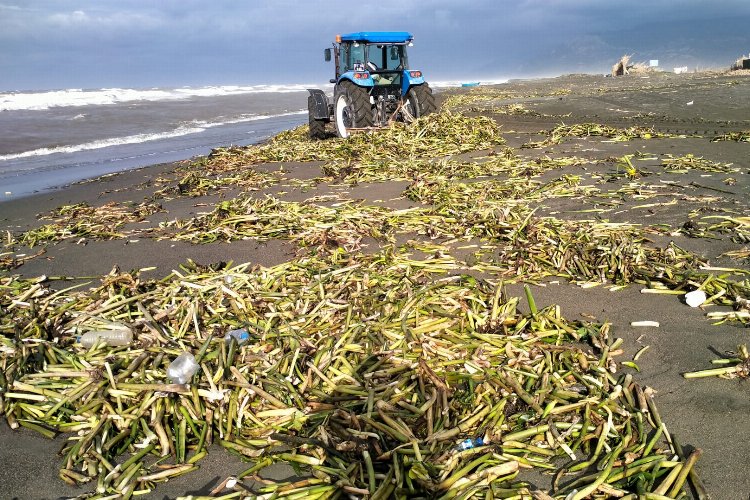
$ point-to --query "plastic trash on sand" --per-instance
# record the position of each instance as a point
(468, 444)
(241, 335)
(695, 298)
(182, 368)
(112, 338)
(654, 324)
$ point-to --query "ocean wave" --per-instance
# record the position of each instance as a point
(193, 127)
(38, 101)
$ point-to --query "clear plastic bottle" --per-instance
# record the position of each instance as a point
(468, 444)
(241, 335)
(182, 368)
(110, 337)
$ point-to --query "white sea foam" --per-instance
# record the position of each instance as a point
(193, 127)
(35, 101)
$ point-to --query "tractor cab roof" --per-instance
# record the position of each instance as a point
(378, 37)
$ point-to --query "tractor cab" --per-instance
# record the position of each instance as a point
(375, 59)
(373, 84)
(381, 56)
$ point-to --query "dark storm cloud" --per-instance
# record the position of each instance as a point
(52, 44)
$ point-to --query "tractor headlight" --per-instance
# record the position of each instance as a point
(415, 74)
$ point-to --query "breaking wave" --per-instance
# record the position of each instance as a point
(189, 128)
(36, 101)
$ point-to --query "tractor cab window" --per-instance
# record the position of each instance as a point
(352, 57)
(386, 58)
(395, 57)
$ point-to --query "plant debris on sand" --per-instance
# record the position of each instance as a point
(369, 371)
(390, 372)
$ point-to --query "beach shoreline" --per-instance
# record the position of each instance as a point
(706, 414)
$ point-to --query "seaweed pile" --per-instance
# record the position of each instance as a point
(401, 370)
(371, 371)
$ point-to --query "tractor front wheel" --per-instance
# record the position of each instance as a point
(419, 102)
(352, 108)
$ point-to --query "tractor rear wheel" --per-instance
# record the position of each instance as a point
(419, 102)
(351, 108)
(317, 127)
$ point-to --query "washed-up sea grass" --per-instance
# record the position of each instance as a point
(561, 132)
(682, 164)
(366, 373)
(433, 136)
(733, 367)
(12, 260)
(496, 212)
(487, 98)
(507, 109)
(743, 136)
(364, 370)
(200, 179)
(263, 219)
(737, 228)
(503, 163)
(84, 221)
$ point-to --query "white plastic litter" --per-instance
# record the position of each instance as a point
(695, 298)
(654, 324)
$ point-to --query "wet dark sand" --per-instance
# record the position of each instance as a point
(711, 414)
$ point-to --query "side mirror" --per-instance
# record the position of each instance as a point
(327, 53)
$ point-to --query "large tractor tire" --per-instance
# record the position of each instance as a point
(317, 127)
(351, 108)
(419, 102)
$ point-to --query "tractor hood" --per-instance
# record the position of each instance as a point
(378, 37)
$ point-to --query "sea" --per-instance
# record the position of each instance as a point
(49, 139)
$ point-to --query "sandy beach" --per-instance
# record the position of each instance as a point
(679, 201)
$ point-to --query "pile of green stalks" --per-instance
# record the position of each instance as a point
(495, 212)
(263, 219)
(485, 96)
(738, 366)
(743, 136)
(378, 376)
(558, 134)
(432, 136)
(202, 177)
(682, 164)
(374, 373)
(507, 109)
(486, 99)
(738, 228)
(84, 221)
(12, 260)
(495, 163)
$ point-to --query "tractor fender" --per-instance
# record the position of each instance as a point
(408, 81)
(321, 111)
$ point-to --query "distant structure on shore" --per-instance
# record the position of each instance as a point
(624, 66)
(742, 63)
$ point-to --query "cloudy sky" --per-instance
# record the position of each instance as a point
(48, 44)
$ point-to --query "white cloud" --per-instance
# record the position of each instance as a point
(69, 19)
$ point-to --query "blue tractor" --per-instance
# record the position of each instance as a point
(373, 86)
